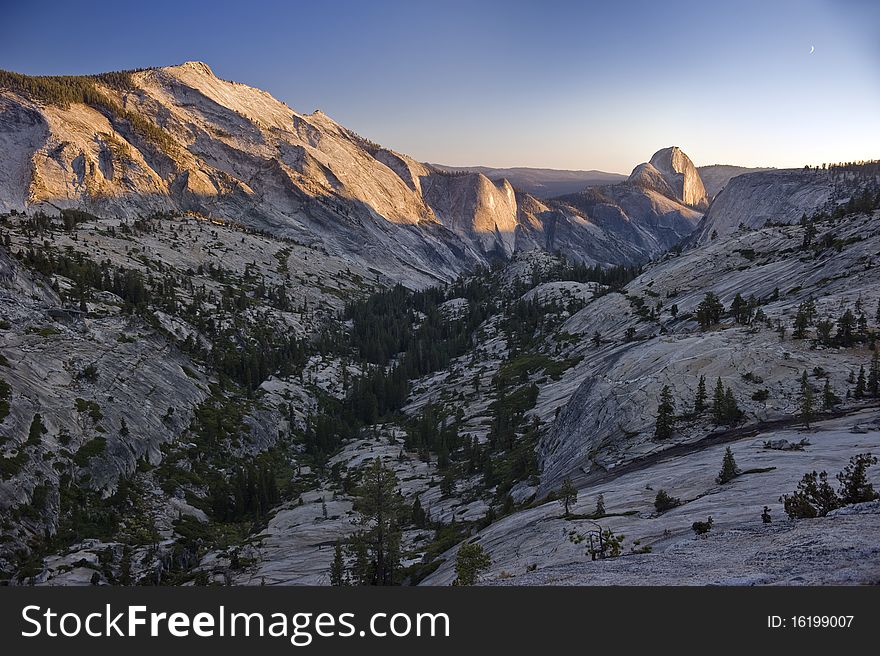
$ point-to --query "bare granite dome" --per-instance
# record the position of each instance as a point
(672, 173)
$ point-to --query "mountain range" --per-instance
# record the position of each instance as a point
(203, 345)
(180, 139)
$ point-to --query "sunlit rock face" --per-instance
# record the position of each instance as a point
(180, 139)
(672, 173)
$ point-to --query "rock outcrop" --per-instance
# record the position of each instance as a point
(672, 174)
(716, 176)
(755, 199)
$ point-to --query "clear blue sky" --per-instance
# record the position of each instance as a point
(553, 83)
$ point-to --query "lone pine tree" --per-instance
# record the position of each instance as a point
(829, 398)
(729, 470)
(337, 568)
(700, 397)
(470, 562)
(568, 495)
(380, 506)
(665, 415)
(664, 501)
(873, 386)
(861, 384)
(718, 402)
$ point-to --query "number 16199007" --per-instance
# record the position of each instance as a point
(810, 622)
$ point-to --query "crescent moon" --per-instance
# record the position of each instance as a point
(812, 49)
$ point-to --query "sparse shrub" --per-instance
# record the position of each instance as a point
(854, 484)
(604, 544)
(470, 562)
(814, 497)
(91, 449)
(664, 501)
(89, 407)
(701, 528)
(89, 373)
(761, 395)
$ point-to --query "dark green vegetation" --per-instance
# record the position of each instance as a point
(815, 497)
(470, 561)
(245, 349)
(729, 470)
(92, 90)
(5, 394)
(391, 347)
(664, 501)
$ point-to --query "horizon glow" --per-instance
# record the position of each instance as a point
(565, 85)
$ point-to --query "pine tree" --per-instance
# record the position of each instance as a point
(709, 310)
(360, 570)
(700, 398)
(737, 307)
(379, 505)
(665, 415)
(873, 387)
(600, 506)
(846, 328)
(337, 568)
(854, 484)
(861, 384)
(37, 430)
(568, 495)
(829, 398)
(823, 331)
(418, 515)
(470, 561)
(732, 413)
(718, 402)
(447, 484)
(664, 501)
(805, 315)
(806, 400)
(729, 470)
(814, 497)
(809, 235)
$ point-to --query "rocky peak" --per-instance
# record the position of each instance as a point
(672, 173)
(194, 66)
